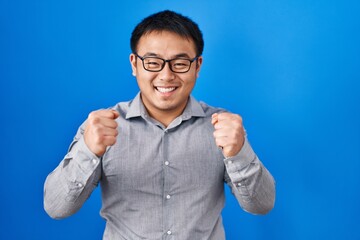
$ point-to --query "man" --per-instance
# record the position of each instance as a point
(162, 158)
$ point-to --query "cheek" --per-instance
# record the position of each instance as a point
(189, 83)
(145, 78)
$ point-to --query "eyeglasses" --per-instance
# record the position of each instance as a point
(156, 64)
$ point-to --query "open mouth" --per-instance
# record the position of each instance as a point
(165, 89)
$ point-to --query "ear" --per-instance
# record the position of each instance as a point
(133, 61)
(199, 62)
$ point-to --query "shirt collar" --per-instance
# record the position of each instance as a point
(192, 109)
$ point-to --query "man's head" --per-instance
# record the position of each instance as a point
(166, 61)
(168, 21)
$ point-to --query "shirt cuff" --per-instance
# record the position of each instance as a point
(83, 165)
(241, 160)
(86, 159)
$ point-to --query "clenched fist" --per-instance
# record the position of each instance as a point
(229, 132)
(101, 130)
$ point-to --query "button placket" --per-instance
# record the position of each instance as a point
(168, 222)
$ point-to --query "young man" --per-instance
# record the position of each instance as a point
(162, 158)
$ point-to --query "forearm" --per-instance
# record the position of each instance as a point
(71, 183)
(250, 181)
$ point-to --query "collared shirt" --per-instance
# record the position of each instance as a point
(160, 182)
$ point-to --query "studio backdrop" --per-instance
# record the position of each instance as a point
(291, 69)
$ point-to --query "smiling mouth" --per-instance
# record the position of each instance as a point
(165, 89)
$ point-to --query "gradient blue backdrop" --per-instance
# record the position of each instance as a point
(290, 68)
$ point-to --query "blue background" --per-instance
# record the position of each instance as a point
(290, 68)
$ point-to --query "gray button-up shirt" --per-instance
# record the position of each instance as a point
(157, 182)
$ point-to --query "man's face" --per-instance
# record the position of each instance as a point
(165, 91)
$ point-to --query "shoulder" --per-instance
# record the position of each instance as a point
(210, 110)
(122, 107)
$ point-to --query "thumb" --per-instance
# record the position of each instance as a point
(116, 114)
(214, 118)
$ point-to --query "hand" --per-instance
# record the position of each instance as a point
(229, 132)
(101, 130)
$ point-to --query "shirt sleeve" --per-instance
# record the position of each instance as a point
(71, 183)
(250, 182)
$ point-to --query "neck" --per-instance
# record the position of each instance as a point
(165, 116)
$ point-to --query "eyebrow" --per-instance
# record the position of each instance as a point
(180, 55)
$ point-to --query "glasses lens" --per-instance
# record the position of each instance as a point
(180, 65)
(153, 64)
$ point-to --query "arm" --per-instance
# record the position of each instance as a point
(251, 183)
(71, 183)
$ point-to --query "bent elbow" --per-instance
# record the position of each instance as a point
(260, 205)
(266, 207)
(57, 208)
(54, 211)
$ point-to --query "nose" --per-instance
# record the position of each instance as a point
(166, 74)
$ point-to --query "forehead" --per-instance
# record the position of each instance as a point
(165, 44)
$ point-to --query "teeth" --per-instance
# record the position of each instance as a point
(165, 90)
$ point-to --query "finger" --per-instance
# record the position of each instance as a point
(221, 142)
(105, 113)
(223, 116)
(221, 125)
(116, 114)
(110, 132)
(226, 116)
(104, 131)
(109, 140)
(214, 119)
(219, 133)
(110, 123)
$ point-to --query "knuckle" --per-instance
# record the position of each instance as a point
(101, 140)
(113, 141)
(95, 120)
(238, 126)
(92, 114)
(214, 134)
(239, 118)
(98, 130)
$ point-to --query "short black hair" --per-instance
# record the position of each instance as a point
(168, 21)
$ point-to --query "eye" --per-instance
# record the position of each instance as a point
(180, 63)
(153, 63)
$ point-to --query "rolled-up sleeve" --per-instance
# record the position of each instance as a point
(71, 183)
(251, 183)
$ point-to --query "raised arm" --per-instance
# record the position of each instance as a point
(250, 182)
(71, 183)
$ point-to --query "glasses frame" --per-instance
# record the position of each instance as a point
(166, 61)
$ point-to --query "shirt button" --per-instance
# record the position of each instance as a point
(230, 162)
(94, 161)
(169, 232)
(239, 184)
(168, 196)
(166, 163)
(79, 184)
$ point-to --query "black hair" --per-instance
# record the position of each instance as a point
(168, 21)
